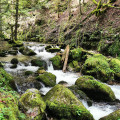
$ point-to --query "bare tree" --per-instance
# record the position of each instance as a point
(16, 19)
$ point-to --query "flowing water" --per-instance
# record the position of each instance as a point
(97, 109)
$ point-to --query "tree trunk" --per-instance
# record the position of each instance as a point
(0, 20)
(80, 7)
(66, 58)
(58, 8)
(16, 19)
(69, 9)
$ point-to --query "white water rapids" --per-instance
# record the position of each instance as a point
(98, 110)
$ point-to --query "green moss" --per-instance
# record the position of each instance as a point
(17, 44)
(95, 89)
(32, 100)
(27, 51)
(115, 66)
(52, 50)
(28, 73)
(38, 62)
(76, 54)
(63, 104)
(112, 116)
(56, 61)
(74, 66)
(47, 78)
(98, 66)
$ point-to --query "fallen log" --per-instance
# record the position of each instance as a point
(65, 57)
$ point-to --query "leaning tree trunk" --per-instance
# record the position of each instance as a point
(16, 19)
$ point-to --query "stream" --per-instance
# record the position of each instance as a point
(97, 109)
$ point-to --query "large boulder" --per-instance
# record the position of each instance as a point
(63, 104)
(33, 104)
(115, 66)
(47, 78)
(80, 94)
(112, 116)
(39, 63)
(57, 63)
(95, 89)
(98, 66)
(9, 109)
(27, 51)
(14, 61)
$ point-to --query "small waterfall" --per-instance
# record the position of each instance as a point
(116, 90)
(44, 89)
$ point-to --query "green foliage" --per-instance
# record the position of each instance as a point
(101, 7)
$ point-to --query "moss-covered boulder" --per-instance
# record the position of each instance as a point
(74, 66)
(76, 54)
(39, 63)
(112, 116)
(27, 73)
(9, 106)
(48, 47)
(33, 104)
(13, 66)
(53, 50)
(57, 63)
(17, 44)
(98, 66)
(47, 78)
(115, 66)
(95, 89)
(63, 104)
(27, 51)
(3, 53)
(80, 94)
(63, 82)
(41, 70)
(14, 61)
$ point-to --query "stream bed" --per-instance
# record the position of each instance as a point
(97, 109)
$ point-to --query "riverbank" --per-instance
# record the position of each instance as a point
(24, 82)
